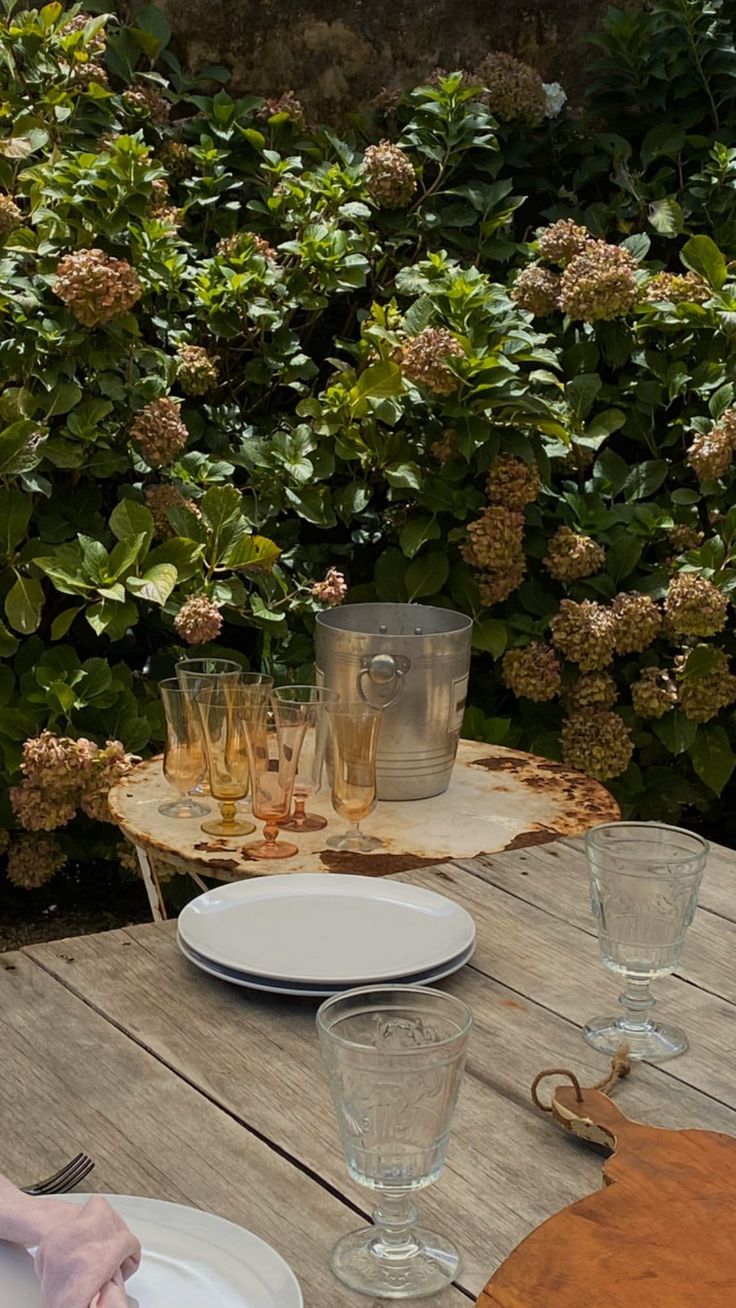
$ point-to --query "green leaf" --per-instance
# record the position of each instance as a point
(404, 476)
(18, 444)
(63, 621)
(256, 552)
(645, 478)
(623, 555)
(151, 19)
(666, 216)
(604, 424)
(183, 554)
(129, 518)
(8, 643)
(124, 556)
(389, 576)
(111, 619)
(701, 255)
(263, 615)
(427, 575)
(156, 584)
(418, 316)
(416, 533)
(712, 757)
(490, 635)
(702, 660)
(378, 382)
(664, 139)
(63, 398)
(638, 245)
(24, 604)
(313, 504)
(675, 731)
(219, 506)
(15, 515)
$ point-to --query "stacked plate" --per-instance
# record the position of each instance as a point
(316, 934)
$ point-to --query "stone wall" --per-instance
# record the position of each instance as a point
(338, 53)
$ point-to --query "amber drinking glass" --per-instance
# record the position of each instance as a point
(273, 738)
(198, 675)
(225, 712)
(184, 760)
(315, 700)
(354, 736)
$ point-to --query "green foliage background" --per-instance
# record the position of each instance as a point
(314, 450)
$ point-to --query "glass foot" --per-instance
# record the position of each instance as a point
(184, 808)
(425, 1265)
(304, 822)
(356, 841)
(270, 849)
(218, 827)
(653, 1041)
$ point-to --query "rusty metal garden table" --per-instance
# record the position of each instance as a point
(498, 799)
(187, 1089)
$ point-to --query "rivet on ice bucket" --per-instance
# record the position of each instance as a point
(413, 662)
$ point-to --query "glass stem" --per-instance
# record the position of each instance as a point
(271, 831)
(227, 811)
(395, 1219)
(637, 1002)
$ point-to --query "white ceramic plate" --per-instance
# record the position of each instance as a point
(190, 1259)
(314, 928)
(306, 992)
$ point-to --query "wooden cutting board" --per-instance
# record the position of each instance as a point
(660, 1234)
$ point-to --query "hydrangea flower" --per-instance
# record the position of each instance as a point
(159, 432)
(332, 589)
(198, 620)
(96, 287)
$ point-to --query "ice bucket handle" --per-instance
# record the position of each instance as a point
(381, 670)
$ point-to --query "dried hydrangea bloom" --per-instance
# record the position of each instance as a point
(533, 672)
(638, 622)
(85, 74)
(286, 103)
(198, 620)
(513, 482)
(78, 23)
(145, 99)
(703, 697)
(585, 633)
(654, 694)
(571, 555)
(597, 741)
(496, 584)
(591, 690)
(159, 432)
(598, 284)
(563, 240)
(694, 606)
(514, 90)
(390, 177)
(332, 589)
(11, 216)
(177, 159)
(44, 809)
(33, 860)
(423, 360)
(683, 537)
(96, 287)
(677, 288)
(244, 243)
(110, 766)
(711, 453)
(494, 539)
(197, 370)
(537, 290)
(161, 498)
(52, 768)
(445, 448)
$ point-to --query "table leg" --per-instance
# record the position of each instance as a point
(153, 889)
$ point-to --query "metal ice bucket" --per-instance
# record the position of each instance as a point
(413, 662)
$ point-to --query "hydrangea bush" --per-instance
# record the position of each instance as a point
(476, 349)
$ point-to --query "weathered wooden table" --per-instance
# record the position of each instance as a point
(498, 799)
(184, 1088)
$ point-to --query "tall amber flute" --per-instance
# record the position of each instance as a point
(184, 760)
(354, 729)
(274, 737)
(225, 711)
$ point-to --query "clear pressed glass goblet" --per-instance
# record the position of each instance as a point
(354, 738)
(395, 1057)
(225, 712)
(184, 761)
(315, 699)
(644, 880)
(273, 738)
(198, 674)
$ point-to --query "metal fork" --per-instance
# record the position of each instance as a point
(67, 1177)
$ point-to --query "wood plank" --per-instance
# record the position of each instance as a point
(557, 965)
(555, 878)
(70, 1080)
(508, 1167)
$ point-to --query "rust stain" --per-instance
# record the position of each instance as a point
(513, 1003)
(224, 864)
(535, 836)
(373, 865)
